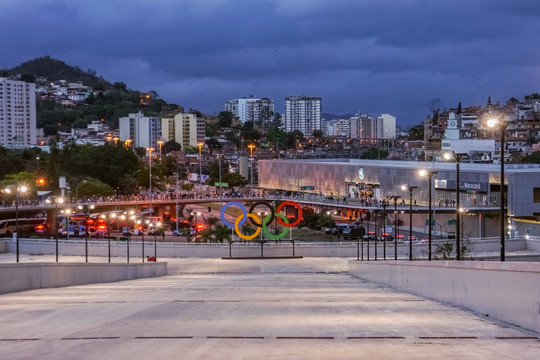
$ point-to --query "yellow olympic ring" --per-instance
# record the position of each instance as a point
(250, 237)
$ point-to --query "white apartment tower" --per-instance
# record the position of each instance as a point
(141, 130)
(389, 126)
(303, 113)
(17, 113)
(249, 109)
(185, 129)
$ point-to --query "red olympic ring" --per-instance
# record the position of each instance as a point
(290, 203)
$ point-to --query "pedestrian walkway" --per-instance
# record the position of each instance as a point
(308, 308)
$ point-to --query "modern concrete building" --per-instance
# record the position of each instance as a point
(374, 180)
(250, 109)
(185, 129)
(141, 130)
(303, 113)
(17, 113)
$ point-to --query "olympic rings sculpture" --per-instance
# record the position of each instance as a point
(273, 214)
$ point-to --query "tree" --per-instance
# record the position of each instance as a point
(222, 233)
(171, 145)
(225, 119)
(416, 132)
(434, 106)
(374, 153)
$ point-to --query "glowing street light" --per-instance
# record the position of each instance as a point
(492, 123)
(18, 190)
(457, 157)
(411, 189)
(251, 147)
(160, 143)
(429, 174)
(200, 145)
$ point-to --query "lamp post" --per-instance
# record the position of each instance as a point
(200, 145)
(429, 174)
(461, 211)
(457, 157)
(251, 147)
(395, 198)
(158, 226)
(502, 125)
(133, 218)
(383, 232)
(58, 200)
(411, 189)
(86, 210)
(150, 177)
(22, 189)
(160, 143)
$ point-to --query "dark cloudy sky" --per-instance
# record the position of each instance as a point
(376, 56)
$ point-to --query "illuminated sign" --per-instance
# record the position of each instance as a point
(361, 174)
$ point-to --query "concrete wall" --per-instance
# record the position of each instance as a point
(3, 246)
(508, 291)
(212, 250)
(27, 276)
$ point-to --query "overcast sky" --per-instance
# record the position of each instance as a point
(373, 56)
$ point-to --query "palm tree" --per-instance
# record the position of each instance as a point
(211, 221)
(222, 233)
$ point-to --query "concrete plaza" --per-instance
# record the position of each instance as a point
(308, 308)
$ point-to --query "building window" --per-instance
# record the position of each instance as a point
(536, 196)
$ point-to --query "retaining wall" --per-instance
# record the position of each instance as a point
(27, 276)
(508, 291)
(239, 249)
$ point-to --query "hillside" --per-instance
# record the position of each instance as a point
(54, 69)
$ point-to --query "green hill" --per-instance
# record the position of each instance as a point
(54, 69)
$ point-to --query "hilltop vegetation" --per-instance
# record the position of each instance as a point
(55, 70)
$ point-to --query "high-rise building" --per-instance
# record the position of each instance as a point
(366, 127)
(185, 129)
(303, 113)
(17, 113)
(141, 130)
(250, 109)
(389, 126)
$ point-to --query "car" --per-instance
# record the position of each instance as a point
(184, 231)
(126, 231)
(72, 230)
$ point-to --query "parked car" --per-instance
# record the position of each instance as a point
(126, 231)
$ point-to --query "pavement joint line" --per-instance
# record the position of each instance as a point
(239, 337)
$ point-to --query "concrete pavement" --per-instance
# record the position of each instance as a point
(308, 308)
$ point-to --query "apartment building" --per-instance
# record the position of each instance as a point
(250, 109)
(17, 113)
(141, 130)
(303, 113)
(185, 129)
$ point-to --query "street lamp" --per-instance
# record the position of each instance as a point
(462, 211)
(160, 143)
(251, 147)
(383, 232)
(196, 214)
(457, 157)
(86, 210)
(22, 189)
(411, 189)
(150, 177)
(395, 198)
(200, 145)
(58, 200)
(502, 125)
(429, 174)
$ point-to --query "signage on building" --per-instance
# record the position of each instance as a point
(465, 186)
(307, 187)
(361, 174)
